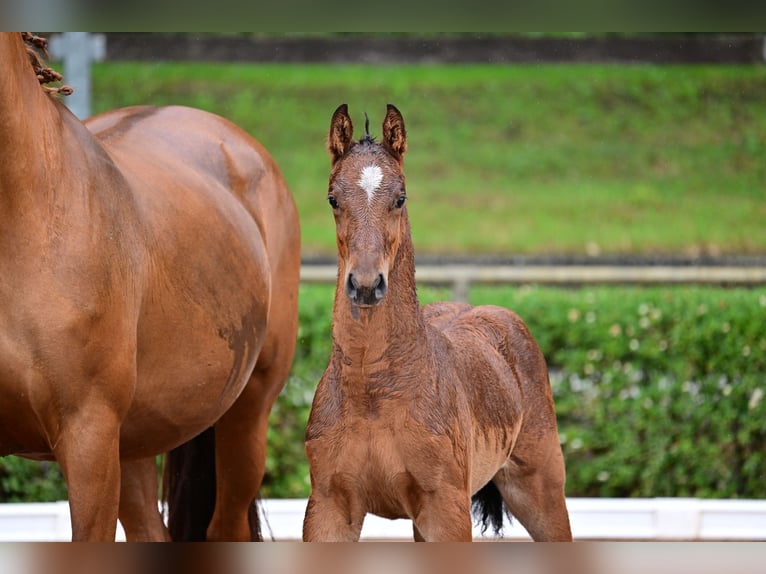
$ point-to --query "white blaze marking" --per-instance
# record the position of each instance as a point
(370, 179)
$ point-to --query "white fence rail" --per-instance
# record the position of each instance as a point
(459, 277)
(591, 518)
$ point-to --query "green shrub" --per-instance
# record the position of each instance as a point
(287, 470)
(23, 480)
(659, 391)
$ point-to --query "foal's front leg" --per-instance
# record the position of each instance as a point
(328, 521)
(444, 516)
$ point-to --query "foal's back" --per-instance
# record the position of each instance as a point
(497, 360)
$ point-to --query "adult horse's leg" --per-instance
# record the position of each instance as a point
(88, 452)
(240, 458)
(241, 433)
(139, 511)
(532, 486)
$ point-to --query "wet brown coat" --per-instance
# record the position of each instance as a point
(420, 408)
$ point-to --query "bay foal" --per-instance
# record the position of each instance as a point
(420, 409)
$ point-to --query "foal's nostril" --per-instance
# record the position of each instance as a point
(366, 293)
(352, 286)
(379, 287)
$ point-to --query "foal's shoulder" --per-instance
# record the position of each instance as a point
(453, 317)
(443, 314)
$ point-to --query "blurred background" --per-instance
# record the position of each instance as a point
(570, 152)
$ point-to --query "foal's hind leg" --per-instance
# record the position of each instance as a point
(532, 486)
(139, 508)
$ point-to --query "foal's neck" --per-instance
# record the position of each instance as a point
(366, 335)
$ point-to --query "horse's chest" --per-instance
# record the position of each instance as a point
(373, 448)
(380, 463)
(384, 480)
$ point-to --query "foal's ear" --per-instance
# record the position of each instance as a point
(394, 134)
(341, 133)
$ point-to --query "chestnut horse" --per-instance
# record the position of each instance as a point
(421, 410)
(150, 268)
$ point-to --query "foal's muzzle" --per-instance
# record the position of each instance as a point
(366, 293)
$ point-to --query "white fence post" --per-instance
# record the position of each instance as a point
(78, 50)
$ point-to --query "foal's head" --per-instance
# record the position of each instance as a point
(367, 196)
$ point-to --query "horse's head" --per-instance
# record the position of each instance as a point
(367, 196)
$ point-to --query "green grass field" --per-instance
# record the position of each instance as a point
(525, 159)
(537, 160)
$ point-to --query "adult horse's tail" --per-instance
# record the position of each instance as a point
(488, 508)
(189, 490)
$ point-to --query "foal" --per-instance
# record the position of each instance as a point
(420, 410)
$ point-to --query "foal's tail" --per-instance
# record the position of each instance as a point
(488, 508)
(189, 490)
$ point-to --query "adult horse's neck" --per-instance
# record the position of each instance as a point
(373, 336)
(30, 122)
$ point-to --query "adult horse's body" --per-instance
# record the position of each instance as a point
(150, 264)
(421, 409)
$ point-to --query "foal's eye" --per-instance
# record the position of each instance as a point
(400, 201)
(333, 202)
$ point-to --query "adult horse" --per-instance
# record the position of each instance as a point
(420, 410)
(150, 267)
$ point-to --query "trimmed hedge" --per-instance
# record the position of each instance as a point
(659, 391)
(23, 480)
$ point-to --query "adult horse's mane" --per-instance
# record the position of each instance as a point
(45, 74)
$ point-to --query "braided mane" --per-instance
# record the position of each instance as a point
(45, 74)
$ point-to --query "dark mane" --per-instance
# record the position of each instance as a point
(45, 74)
(367, 137)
